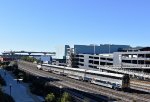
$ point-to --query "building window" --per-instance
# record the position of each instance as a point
(81, 56)
(96, 62)
(96, 57)
(134, 61)
(109, 64)
(95, 67)
(81, 60)
(147, 55)
(141, 55)
(91, 61)
(126, 61)
(81, 64)
(90, 56)
(90, 66)
(140, 61)
(103, 63)
(109, 59)
(147, 62)
(103, 58)
(77, 55)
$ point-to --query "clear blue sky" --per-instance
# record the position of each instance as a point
(42, 25)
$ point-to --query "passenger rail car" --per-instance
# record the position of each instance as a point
(111, 80)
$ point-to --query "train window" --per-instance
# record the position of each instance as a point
(109, 82)
(113, 77)
(101, 81)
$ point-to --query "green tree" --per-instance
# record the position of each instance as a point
(50, 97)
(66, 97)
(86, 100)
(29, 59)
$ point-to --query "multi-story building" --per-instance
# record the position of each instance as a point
(61, 55)
(61, 51)
(139, 57)
(88, 51)
(93, 61)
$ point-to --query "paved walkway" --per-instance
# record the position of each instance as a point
(19, 91)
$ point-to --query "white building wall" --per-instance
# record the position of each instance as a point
(117, 59)
(86, 61)
(86, 58)
(60, 50)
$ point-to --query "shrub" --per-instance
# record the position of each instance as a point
(50, 98)
(66, 97)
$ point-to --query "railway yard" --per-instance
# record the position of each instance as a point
(139, 90)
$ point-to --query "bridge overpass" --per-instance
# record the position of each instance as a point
(27, 52)
(19, 54)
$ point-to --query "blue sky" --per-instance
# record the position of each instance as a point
(41, 25)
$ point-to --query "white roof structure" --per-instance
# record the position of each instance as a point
(105, 73)
(85, 70)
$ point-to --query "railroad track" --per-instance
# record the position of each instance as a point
(119, 95)
(141, 86)
(144, 84)
(58, 83)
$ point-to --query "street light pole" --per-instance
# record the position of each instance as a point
(10, 88)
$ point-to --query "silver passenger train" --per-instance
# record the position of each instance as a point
(111, 80)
